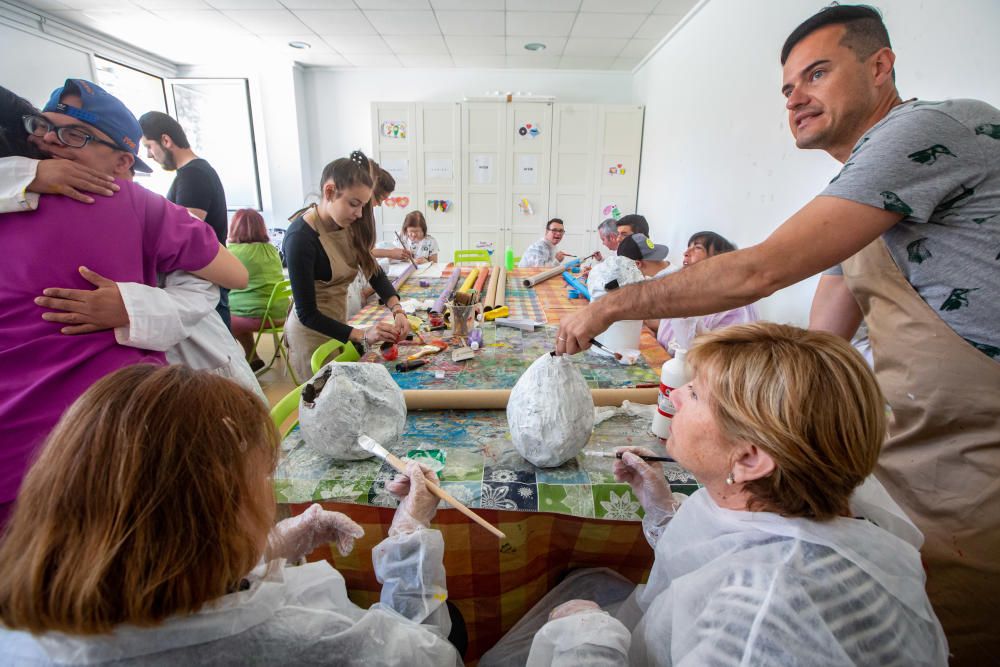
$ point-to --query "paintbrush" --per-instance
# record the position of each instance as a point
(400, 239)
(595, 343)
(602, 346)
(378, 450)
(618, 455)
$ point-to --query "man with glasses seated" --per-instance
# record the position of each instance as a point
(543, 251)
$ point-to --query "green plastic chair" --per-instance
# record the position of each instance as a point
(283, 409)
(347, 353)
(477, 255)
(282, 293)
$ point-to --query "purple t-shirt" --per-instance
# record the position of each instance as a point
(129, 237)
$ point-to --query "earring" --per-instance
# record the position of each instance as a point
(730, 479)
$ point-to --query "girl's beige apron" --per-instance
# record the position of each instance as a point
(331, 299)
(941, 462)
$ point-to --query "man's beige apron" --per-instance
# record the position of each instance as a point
(331, 299)
(941, 462)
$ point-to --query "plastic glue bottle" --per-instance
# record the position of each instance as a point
(673, 375)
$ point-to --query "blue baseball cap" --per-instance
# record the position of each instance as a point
(104, 111)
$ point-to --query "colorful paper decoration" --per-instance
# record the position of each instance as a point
(616, 169)
(611, 210)
(525, 207)
(528, 130)
(439, 204)
(394, 128)
(401, 202)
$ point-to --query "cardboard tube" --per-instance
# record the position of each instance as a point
(438, 307)
(543, 276)
(491, 289)
(501, 297)
(551, 273)
(403, 277)
(481, 280)
(470, 281)
(496, 399)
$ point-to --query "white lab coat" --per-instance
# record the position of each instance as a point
(744, 588)
(179, 318)
(289, 616)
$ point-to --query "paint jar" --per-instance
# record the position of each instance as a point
(462, 318)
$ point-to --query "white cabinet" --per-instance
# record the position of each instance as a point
(507, 168)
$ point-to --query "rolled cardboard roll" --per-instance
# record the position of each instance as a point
(481, 280)
(543, 276)
(496, 399)
(491, 289)
(456, 273)
(501, 297)
(470, 281)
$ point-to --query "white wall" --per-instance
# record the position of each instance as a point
(50, 64)
(717, 152)
(339, 101)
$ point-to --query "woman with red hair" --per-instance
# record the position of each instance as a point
(248, 240)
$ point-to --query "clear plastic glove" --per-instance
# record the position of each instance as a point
(418, 505)
(650, 488)
(297, 536)
(573, 607)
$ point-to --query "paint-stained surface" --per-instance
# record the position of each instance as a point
(482, 469)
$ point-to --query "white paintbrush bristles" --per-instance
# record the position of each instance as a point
(370, 445)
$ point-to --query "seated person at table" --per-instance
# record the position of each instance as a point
(791, 554)
(131, 236)
(679, 332)
(147, 568)
(651, 258)
(543, 251)
(248, 240)
(422, 247)
(632, 223)
(325, 246)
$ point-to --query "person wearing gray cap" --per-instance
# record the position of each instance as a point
(650, 257)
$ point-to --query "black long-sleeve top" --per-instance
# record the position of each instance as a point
(308, 262)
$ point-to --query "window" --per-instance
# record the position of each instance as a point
(215, 115)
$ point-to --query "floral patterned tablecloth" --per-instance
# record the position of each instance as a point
(481, 468)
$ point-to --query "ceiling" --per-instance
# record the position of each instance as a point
(578, 34)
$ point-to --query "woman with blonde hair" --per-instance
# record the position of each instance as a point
(790, 554)
(143, 536)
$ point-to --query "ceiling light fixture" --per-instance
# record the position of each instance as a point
(534, 46)
(300, 45)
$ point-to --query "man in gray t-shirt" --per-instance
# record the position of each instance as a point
(938, 164)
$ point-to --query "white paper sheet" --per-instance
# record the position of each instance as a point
(399, 169)
(439, 169)
(527, 169)
(431, 270)
(482, 168)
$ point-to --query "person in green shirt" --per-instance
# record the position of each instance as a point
(249, 242)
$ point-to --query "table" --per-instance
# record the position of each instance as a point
(555, 520)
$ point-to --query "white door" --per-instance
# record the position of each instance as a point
(440, 163)
(571, 186)
(484, 175)
(395, 141)
(529, 145)
(619, 146)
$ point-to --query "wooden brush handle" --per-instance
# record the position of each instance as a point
(433, 487)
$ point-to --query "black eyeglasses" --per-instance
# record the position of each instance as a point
(73, 136)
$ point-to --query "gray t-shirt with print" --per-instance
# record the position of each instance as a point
(938, 163)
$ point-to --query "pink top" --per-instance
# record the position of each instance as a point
(129, 237)
(683, 330)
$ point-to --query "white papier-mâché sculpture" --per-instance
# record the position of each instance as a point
(550, 412)
(344, 400)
